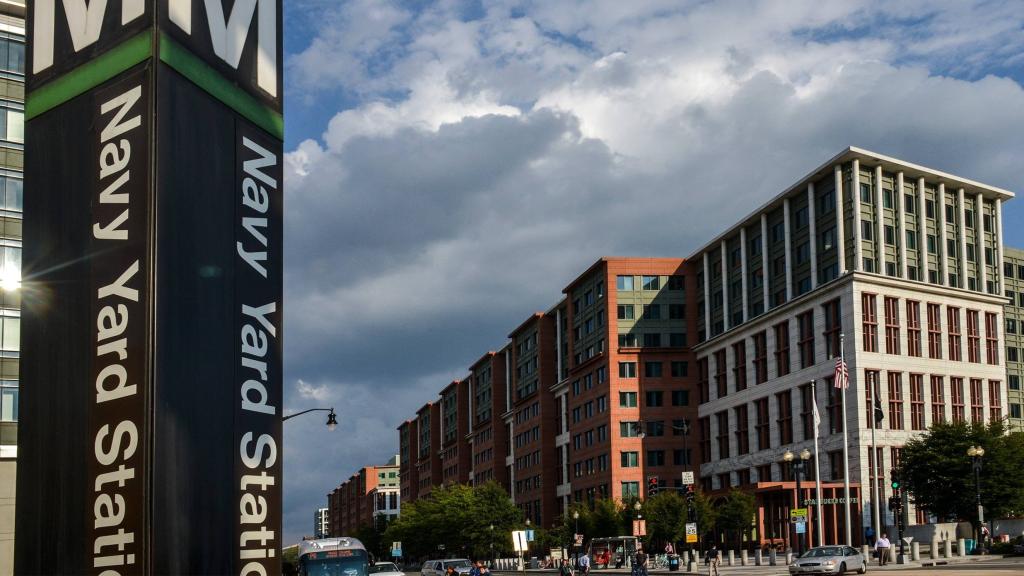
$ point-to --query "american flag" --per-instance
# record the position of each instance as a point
(842, 377)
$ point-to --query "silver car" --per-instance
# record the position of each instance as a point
(385, 569)
(829, 560)
(462, 567)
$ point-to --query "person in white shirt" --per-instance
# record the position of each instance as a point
(882, 548)
(584, 565)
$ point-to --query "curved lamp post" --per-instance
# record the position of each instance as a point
(332, 420)
(976, 453)
(799, 466)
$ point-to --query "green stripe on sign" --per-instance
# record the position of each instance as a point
(89, 75)
(204, 76)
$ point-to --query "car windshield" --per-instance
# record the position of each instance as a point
(822, 552)
(382, 567)
(457, 564)
(334, 563)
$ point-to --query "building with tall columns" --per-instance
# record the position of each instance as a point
(1013, 282)
(902, 260)
(899, 268)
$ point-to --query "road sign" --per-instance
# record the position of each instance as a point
(396, 552)
(396, 545)
(797, 515)
(578, 539)
(529, 536)
(691, 532)
(687, 478)
(640, 527)
(801, 527)
(519, 541)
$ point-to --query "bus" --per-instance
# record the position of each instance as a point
(340, 556)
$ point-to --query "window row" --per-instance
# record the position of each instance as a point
(626, 283)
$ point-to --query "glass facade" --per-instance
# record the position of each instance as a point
(12, 137)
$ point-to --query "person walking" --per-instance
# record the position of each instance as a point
(584, 564)
(882, 549)
(565, 569)
(640, 562)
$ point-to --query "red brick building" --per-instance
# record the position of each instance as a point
(488, 440)
(370, 492)
(428, 462)
(455, 425)
(408, 455)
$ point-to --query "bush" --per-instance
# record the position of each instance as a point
(1002, 548)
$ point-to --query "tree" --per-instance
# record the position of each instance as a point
(606, 519)
(735, 514)
(666, 515)
(938, 473)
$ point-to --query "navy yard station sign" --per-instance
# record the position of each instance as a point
(150, 437)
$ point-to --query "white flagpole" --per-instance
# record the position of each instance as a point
(817, 465)
(846, 443)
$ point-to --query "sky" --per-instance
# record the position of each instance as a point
(451, 166)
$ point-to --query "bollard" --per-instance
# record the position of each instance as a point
(772, 557)
(948, 549)
(758, 557)
(866, 551)
(961, 548)
(935, 550)
(732, 558)
(743, 557)
(915, 551)
(789, 557)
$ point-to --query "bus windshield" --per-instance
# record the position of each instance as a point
(334, 563)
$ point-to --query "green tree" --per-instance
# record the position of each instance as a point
(606, 519)
(735, 514)
(666, 515)
(938, 473)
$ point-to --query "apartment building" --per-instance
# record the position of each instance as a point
(455, 425)
(428, 462)
(12, 122)
(900, 259)
(408, 457)
(627, 396)
(488, 438)
(370, 493)
(1013, 280)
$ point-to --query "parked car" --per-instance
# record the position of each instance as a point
(829, 560)
(438, 567)
(385, 569)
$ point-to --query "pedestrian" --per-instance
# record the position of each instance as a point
(565, 569)
(715, 560)
(640, 562)
(450, 571)
(882, 549)
(584, 564)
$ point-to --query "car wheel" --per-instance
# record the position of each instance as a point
(842, 568)
(863, 568)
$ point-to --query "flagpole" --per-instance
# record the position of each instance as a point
(846, 443)
(817, 465)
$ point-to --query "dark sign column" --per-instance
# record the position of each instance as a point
(151, 433)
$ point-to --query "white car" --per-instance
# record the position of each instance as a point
(385, 569)
(438, 567)
(829, 560)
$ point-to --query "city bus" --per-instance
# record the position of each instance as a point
(341, 556)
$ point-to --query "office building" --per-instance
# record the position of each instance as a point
(455, 425)
(1013, 279)
(370, 495)
(12, 122)
(488, 440)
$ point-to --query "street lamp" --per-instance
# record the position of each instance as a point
(332, 420)
(976, 453)
(576, 518)
(799, 465)
(492, 545)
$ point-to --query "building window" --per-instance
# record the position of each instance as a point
(654, 398)
(629, 429)
(895, 400)
(913, 328)
(624, 282)
(973, 337)
(807, 411)
(652, 312)
(676, 283)
(995, 403)
(652, 340)
(917, 402)
(991, 338)
(892, 325)
(630, 459)
(956, 386)
(627, 340)
(721, 382)
(625, 311)
(870, 392)
(782, 349)
(835, 406)
(953, 329)
(679, 369)
(870, 327)
(977, 406)
(805, 322)
(761, 427)
(739, 370)
(652, 369)
(704, 429)
(627, 369)
(627, 399)
(655, 458)
(630, 490)
(723, 434)
(703, 380)
(760, 357)
(680, 397)
(784, 404)
(934, 331)
(651, 282)
(742, 429)
(833, 326)
(938, 400)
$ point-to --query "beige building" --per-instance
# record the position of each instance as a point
(902, 260)
(1013, 272)
(12, 100)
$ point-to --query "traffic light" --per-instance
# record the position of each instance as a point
(690, 495)
(652, 486)
(879, 414)
(894, 503)
(895, 480)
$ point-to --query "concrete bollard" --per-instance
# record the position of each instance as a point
(961, 548)
(773, 557)
(948, 549)
(866, 551)
(758, 557)
(935, 550)
(732, 558)
(915, 551)
(743, 557)
(789, 557)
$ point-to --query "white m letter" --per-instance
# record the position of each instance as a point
(84, 23)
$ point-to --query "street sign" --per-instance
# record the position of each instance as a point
(801, 527)
(640, 527)
(691, 532)
(797, 515)
(687, 478)
(519, 541)
(396, 546)
(529, 536)
(396, 552)
(578, 539)
(814, 501)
